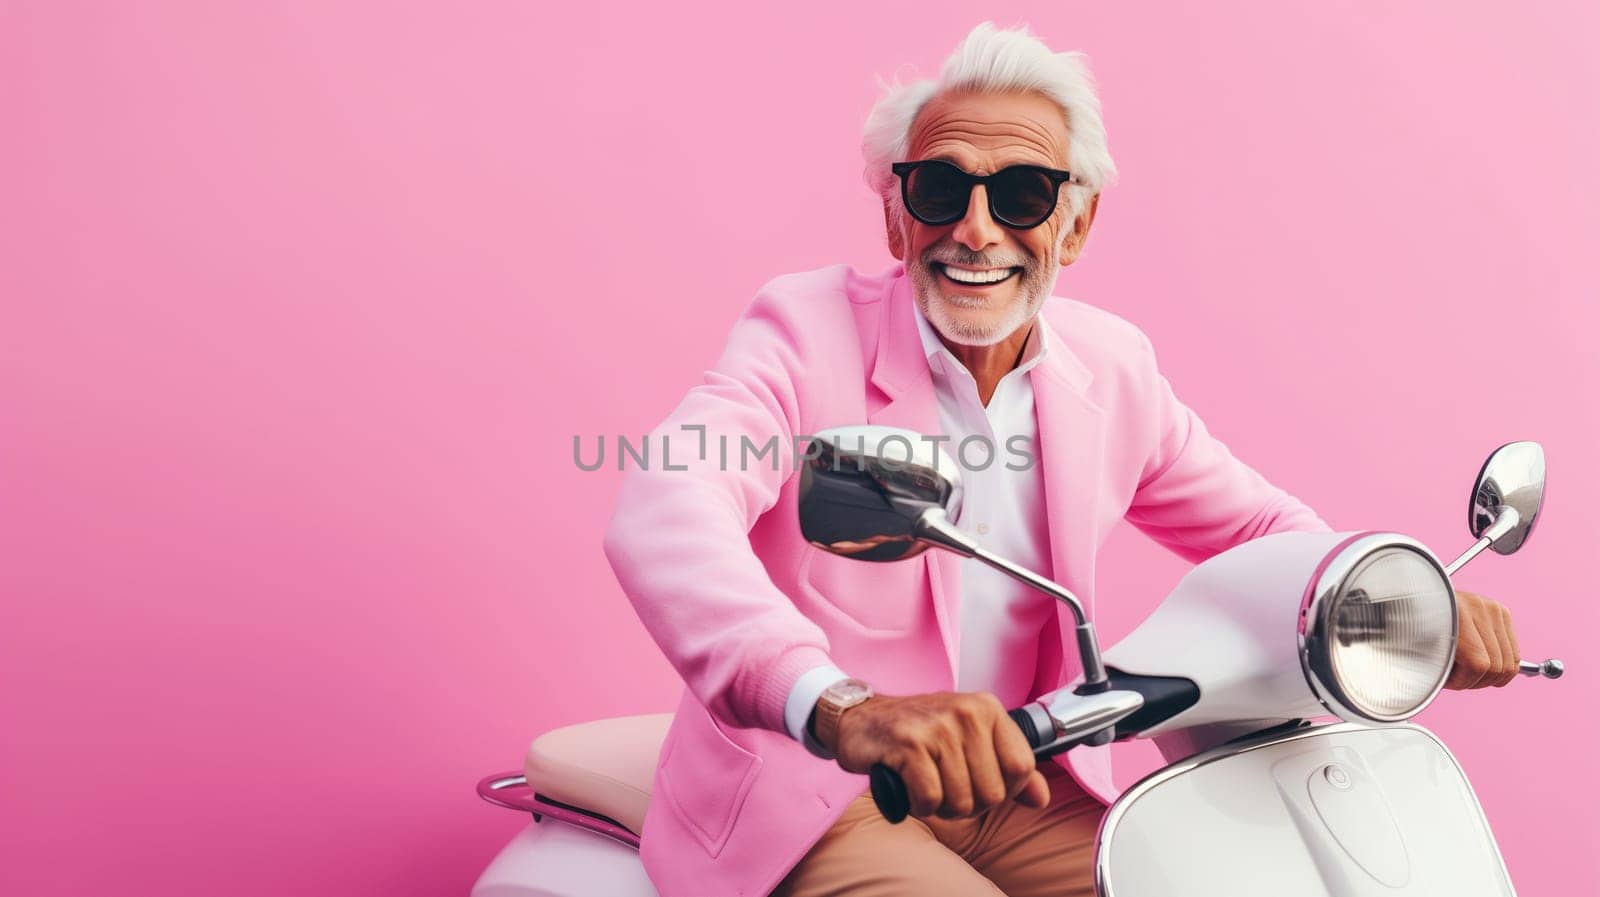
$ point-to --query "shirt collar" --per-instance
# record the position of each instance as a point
(942, 361)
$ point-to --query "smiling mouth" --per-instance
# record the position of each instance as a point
(966, 277)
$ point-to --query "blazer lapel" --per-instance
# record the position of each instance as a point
(900, 372)
(1071, 450)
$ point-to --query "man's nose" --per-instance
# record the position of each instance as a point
(978, 230)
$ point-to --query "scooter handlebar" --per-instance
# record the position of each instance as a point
(889, 789)
(1550, 669)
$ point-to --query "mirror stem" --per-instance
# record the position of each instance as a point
(933, 526)
(1506, 518)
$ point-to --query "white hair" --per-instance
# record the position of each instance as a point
(992, 60)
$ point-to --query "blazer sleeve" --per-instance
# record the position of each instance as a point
(678, 540)
(1194, 496)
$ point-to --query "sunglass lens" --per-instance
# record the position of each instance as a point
(937, 193)
(1023, 197)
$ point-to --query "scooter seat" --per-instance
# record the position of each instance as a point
(603, 768)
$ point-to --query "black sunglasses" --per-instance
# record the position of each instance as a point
(936, 192)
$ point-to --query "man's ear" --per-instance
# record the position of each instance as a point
(897, 240)
(1072, 243)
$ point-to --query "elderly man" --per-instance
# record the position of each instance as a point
(804, 669)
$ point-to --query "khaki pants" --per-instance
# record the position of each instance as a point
(1011, 850)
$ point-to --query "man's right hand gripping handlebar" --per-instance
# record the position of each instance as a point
(947, 755)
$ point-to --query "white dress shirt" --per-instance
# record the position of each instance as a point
(1001, 619)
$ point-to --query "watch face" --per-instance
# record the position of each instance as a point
(850, 691)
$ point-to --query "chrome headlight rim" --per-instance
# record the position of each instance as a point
(1326, 584)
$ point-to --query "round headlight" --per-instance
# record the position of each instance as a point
(1378, 629)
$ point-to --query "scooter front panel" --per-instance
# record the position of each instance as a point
(1339, 810)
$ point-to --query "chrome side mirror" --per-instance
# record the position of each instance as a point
(1512, 479)
(864, 490)
(1505, 500)
(885, 494)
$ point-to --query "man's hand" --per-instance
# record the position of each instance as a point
(959, 754)
(1486, 651)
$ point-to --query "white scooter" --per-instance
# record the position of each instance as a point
(1224, 675)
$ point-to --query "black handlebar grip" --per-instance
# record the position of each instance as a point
(889, 793)
(1024, 721)
(889, 789)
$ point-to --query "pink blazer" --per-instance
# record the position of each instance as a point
(713, 560)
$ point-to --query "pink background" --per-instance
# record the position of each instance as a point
(303, 306)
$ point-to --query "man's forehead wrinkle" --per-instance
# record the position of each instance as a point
(946, 127)
(961, 149)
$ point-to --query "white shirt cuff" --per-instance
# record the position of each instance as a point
(803, 698)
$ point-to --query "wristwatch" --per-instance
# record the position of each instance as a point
(835, 700)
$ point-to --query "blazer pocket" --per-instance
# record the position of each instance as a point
(877, 596)
(705, 777)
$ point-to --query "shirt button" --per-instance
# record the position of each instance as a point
(983, 529)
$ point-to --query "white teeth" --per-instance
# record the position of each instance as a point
(993, 275)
